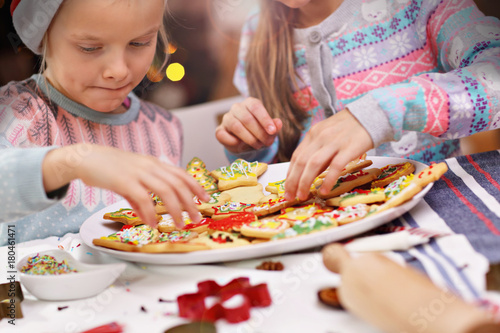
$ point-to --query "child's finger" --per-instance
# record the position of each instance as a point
(142, 204)
(243, 125)
(334, 257)
(259, 112)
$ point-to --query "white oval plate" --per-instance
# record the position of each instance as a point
(88, 281)
(95, 227)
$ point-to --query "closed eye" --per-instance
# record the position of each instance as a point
(139, 44)
(88, 49)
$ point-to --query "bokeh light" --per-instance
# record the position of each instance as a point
(154, 74)
(175, 72)
(171, 48)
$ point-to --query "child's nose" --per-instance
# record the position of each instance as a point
(116, 67)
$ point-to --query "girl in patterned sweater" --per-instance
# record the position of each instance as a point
(330, 79)
(94, 53)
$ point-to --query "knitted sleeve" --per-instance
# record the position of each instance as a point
(459, 100)
(21, 185)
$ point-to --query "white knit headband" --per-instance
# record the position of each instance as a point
(31, 20)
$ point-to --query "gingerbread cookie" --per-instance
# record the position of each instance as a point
(397, 186)
(234, 222)
(277, 188)
(312, 224)
(225, 210)
(197, 168)
(246, 194)
(200, 227)
(351, 167)
(348, 182)
(392, 172)
(126, 216)
(357, 196)
(419, 181)
(299, 214)
(177, 247)
(160, 207)
(273, 205)
(264, 228)
(129, 238)
(167, 223)
(221, 239)
(239, 173)
(216, 199)
(177, 236)
(344, 215)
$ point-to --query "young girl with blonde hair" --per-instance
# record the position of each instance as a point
(78, 125)
(328, 80)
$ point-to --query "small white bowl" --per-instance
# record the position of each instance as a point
(88, 281)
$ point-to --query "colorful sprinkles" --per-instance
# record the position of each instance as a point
(46, 265)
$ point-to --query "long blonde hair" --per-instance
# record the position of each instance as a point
(271, 75)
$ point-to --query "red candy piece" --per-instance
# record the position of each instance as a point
(192, 306)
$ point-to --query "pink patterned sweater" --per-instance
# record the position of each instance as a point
(417, 74)
(29, 119)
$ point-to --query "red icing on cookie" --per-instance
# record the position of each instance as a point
(196, 225)
(234, 221)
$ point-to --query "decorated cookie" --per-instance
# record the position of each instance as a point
(430, 174)
(176, 247)
(357, 196)
(351, 167)
(272, 206)
(239, 173)
(216, 199)
(276, 187)
(264, 228)
(419, 181)
(344, 215)
(129, 238)
(246, 194)
(126, 216)
(160, 207)
(197, 168)
(393, 172)
(225, 210)
(348, 182)
(312, 224)
(268, 197)
(397, 186)
(167, 223)
(233, 222)
(200, 227)
(177, 236)
(221, 239)
(293, 215)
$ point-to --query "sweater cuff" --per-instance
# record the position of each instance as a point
(373, 118)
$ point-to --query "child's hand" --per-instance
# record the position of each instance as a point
(247, 126)
(128, 174)
(333, 142)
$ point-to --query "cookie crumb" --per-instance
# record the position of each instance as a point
(271, 266)
(328, 296)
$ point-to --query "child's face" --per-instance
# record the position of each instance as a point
(99, 50)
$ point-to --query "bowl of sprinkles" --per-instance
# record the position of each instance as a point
(46, 265)
(55, 275)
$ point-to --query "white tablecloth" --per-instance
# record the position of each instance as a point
(134, 299)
